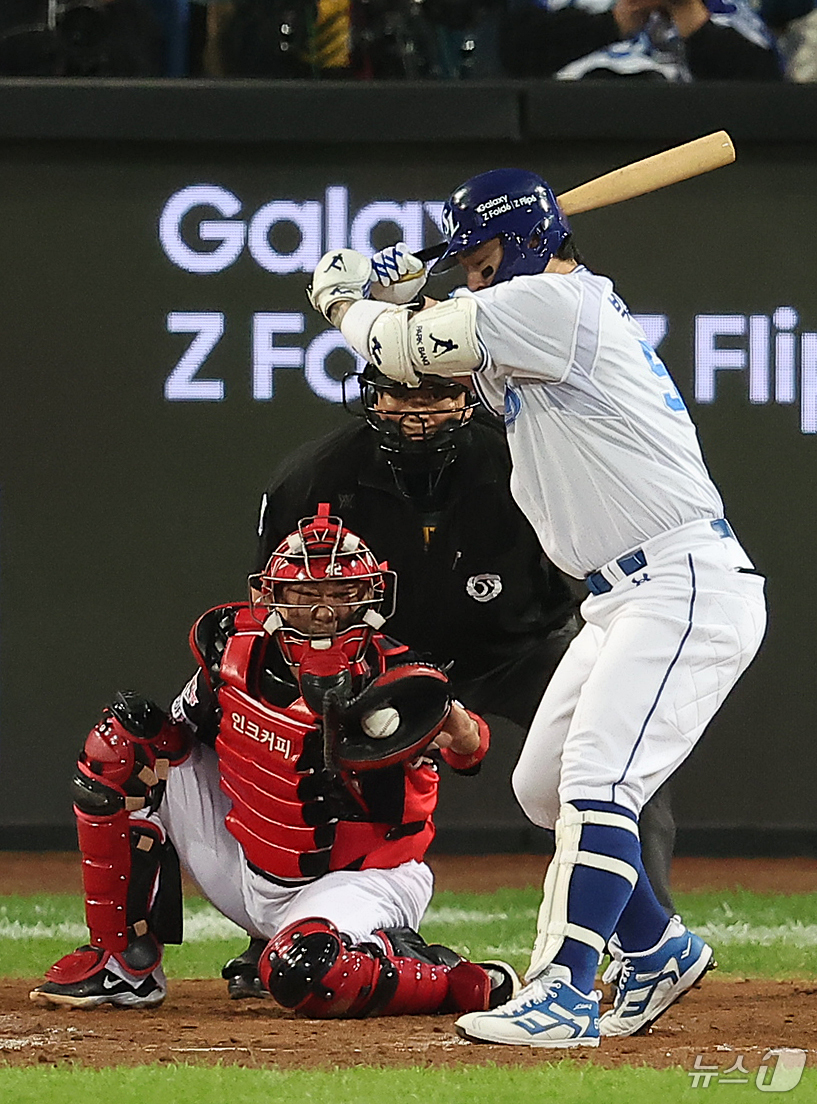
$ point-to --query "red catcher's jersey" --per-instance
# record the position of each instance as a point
(294, 822)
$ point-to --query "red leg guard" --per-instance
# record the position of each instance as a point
(420, 987)
(122, 768)
(79, 965)
(106, 861)
(111, 905)
(307, 967)
(469, 988)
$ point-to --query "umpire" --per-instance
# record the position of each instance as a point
(425, 480)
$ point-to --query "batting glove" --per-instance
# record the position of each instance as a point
(342, 276)
(397, 275)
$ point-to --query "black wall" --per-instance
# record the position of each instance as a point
(124, 514)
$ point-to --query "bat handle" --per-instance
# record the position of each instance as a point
(430, 253)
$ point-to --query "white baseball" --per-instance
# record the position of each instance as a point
(380, 723)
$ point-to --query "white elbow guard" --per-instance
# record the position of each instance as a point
(440, 341)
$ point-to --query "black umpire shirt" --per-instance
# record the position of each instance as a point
(475, 592)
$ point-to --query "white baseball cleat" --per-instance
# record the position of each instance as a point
(649, 982)
(548, 1012)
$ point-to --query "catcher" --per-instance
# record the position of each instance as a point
(292, 781)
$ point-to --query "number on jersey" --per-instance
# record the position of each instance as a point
(672, 397)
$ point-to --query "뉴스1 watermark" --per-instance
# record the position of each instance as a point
(780, 1070)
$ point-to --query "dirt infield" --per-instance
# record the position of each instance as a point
(197, 1023)
(28, 872)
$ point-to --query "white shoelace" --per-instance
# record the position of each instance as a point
(538, 991)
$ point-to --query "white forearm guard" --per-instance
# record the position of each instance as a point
(440, 341)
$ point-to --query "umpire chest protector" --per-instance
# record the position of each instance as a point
(295, 820)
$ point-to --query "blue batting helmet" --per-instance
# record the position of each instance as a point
(513, 204)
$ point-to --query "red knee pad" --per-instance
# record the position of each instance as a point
(307, 968)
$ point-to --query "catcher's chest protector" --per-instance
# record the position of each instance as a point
(284, 809)
(270, 757)
(259, 748)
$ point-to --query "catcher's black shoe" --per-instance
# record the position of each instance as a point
(89, 977)
(241, 973)
(505, 982)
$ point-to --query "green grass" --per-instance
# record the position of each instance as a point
(566, 1083)
(754, 935)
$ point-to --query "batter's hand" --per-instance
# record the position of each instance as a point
(342, 276)
(397, 275)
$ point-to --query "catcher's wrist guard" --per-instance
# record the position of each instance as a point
(470, 763)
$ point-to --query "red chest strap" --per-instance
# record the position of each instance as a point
(238, 659)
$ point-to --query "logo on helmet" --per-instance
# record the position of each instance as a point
(449, 223)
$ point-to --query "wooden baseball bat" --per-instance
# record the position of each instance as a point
(713, 151)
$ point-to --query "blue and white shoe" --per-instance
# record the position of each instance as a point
(649, 982)
(548, 1012)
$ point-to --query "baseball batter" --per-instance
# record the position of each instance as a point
(608, 469)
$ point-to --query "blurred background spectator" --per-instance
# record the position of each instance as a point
(413, 39)
(676, 40)
(80, 38)
(795, 25)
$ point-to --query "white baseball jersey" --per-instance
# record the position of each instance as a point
(604, 453)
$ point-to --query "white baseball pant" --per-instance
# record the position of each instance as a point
(635, 690)
(356, 902)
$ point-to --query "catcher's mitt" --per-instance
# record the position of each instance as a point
(394, 718)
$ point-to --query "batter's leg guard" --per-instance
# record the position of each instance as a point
(589, 879)
(309, 968)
